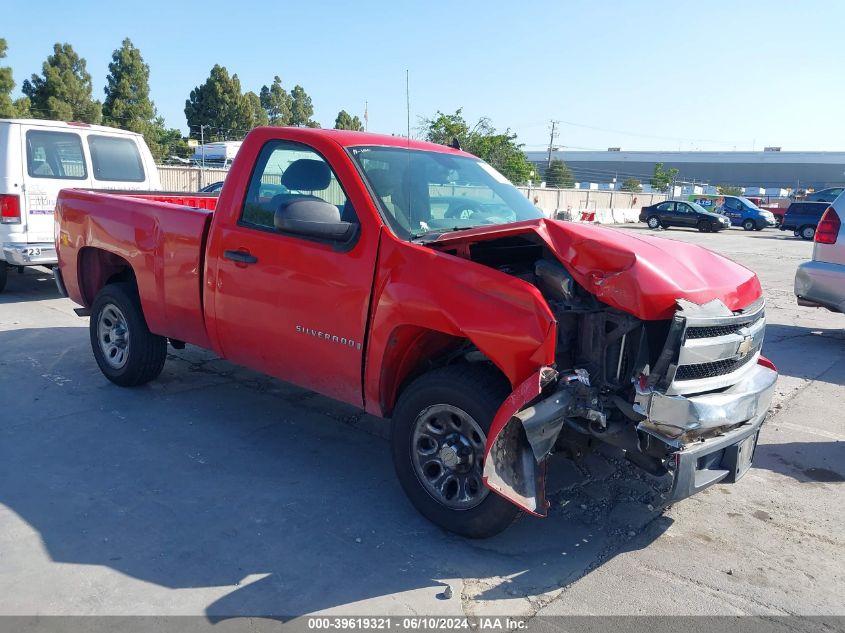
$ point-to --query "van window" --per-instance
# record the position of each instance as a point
(115, 159)
(55, 155)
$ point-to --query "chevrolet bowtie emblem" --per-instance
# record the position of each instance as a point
(745, 347)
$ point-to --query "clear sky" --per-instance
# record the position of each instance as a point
(639, 74)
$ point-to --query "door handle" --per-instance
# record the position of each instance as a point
(240, 257)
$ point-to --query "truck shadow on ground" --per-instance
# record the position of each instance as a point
(216, 477)
(806, 351)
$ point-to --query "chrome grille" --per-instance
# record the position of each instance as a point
(715, 345)
(711, 370)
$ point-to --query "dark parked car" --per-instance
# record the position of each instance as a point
(825, 195)
(680, 213)
(802, 218)
(214, 187)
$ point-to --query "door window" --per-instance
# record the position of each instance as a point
(665, 206)
(115, 159)
(287, 171)
(55, 155)
(682, 208)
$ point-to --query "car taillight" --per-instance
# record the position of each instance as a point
(828, 228)
(10, 209)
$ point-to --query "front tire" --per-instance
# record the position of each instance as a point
(704, 226)
(438, 437)
(126, 351)
(4, 274)
(749, 225)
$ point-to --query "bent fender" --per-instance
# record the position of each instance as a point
(511, 469)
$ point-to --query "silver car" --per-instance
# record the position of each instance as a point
(820, 282)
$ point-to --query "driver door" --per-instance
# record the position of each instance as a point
(684, 215)
(290, 306)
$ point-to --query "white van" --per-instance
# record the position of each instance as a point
(38, 158)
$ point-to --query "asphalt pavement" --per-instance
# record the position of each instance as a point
(216, 491)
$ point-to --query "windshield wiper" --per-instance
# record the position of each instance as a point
(434, 234)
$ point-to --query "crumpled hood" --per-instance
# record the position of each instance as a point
(638, 274)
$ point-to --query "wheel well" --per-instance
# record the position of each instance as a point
(98, 268)
(412, 351)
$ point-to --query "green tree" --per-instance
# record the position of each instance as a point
(63, 91)
(255, 111)
(499, 149)
(301, 108)
(170, 142)
(631, 184)
(559, 175)
(276, 103)
(127, 104)
(662, 178)
(8, 109)
(729, 190)
(220, 108)
(345, 121)
(445, 128)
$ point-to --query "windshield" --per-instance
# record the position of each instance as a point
(698, 207)
(426, 193)
(749, 204)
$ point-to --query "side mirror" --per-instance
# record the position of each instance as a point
(310, 217)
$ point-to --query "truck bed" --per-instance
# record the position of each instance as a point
(160, 236)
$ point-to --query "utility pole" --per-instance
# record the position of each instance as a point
(551, 143)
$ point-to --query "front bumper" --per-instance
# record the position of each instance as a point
(40, 254)
(725, 458)
(821, 284)
(721, 456)
(699, 452)
(671, 418)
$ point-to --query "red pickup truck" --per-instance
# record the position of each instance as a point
(414, 281)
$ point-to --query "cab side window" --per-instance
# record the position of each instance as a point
(286, 172)
(55, 155)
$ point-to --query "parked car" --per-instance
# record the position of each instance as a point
(214, 187)
(489, 342)
(38, 159)
(820, 282)
(680, 213)
(802, 217)
(739, 210)
(825, 195)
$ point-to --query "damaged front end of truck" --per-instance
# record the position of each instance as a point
(678, 385)
(694, 414)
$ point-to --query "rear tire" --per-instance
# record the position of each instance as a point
(438, 434)
(653, 222)
(749, 225)
(808, 232)
(126, 351)
(4, 274)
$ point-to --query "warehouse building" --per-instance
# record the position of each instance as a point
(769, 169)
